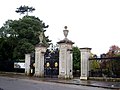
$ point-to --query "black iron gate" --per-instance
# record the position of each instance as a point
(51, 68)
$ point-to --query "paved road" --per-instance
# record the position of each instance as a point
(7, 83)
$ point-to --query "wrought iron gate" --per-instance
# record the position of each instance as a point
(51, 68)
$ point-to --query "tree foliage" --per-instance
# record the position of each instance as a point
(76, 58)
(114, 65)
(94, 64)
(19, 37)
(113, 51)
(23, 9)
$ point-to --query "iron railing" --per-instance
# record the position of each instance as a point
(108, 67)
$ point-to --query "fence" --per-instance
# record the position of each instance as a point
(11, 66)
(105, 67)
(7, 66)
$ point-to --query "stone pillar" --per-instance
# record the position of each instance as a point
(65, 61)
(27, 64)
(39, 60)
(85, 55)
(65, 58)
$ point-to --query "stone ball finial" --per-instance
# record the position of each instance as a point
(65, 27)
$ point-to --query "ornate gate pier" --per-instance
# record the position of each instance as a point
(65, 57)
(40, 50)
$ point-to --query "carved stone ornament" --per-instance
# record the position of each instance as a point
(41, 37)
(65, 32)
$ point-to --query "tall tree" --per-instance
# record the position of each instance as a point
(114, 65)
(22, 35)
(113, 51)
(23, 9)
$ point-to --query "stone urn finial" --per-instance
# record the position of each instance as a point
(65, 32)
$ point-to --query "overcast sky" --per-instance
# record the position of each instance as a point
(91, 23)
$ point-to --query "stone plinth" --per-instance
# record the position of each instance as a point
(39, 60)
(27, 64)
(65, 59)
(85, 54)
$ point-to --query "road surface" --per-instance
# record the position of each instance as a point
(7, 83)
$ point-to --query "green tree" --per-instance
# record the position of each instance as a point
(76, 58)
(94, 64)
(114, 64)
(19, 37)
(23, 9)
